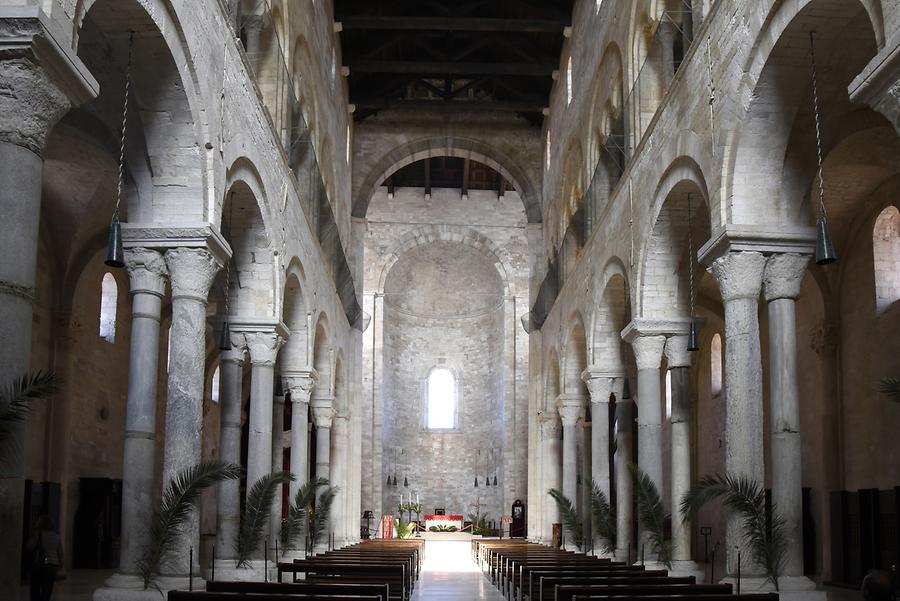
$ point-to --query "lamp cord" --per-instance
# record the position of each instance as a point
(115, 216)
(815, 99)
(690, 256)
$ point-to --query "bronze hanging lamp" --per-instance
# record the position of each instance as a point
(825, 253)
(115, 254)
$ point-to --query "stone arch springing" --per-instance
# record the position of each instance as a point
(664, 278)
(296, 352)
(886, 258)
(575, 358)
(453, 146)
(163, 123)
(611, 314)
(552, 382)
(323, 359)
(776, 139)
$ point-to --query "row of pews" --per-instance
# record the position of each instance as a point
(526, 571)
(377, 570)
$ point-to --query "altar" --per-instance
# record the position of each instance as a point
(444, 521)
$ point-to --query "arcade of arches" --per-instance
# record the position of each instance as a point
(458, 251)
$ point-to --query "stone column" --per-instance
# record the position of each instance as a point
(783, 277)
(323, 415)
(300, 385)
(192, 271)
(263, 348)
(679, 364)
(551, 429)
(253, 26)
(229, 497)
(42, 79)
(339, 478)
(277, 466)
(666, 34)
(147, 274)
(571, 412)
(624, 487)
(739, 275)
(648, 355)
(600, 385)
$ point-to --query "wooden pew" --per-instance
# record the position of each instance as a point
(208, 596)
(392, 573)
(382, 591)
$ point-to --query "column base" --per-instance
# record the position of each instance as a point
(686, 567)
(256, 572)
(791, 588)
(129, 587)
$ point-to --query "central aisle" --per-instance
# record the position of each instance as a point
(449, 573)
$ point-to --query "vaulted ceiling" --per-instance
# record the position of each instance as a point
(467, 55)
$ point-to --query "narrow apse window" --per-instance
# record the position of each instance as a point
(886, 254)
(715, 366)
(109, 298)
(441, 401)
(569, 81)
(547, 151)
(214, 386)
(668, 394)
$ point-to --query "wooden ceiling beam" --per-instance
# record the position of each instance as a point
(376, 104)
(351, 23)
(440, 68)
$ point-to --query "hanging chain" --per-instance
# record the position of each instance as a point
(115, 216)
(228, 262)
(712, 96)
(690, 255)
(815, 98)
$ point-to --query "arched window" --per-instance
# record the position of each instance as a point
(715, 366)
(214, 386)
(348, 144)
(547, 150)
(109, 298)
(569, 81)
(886, 254)
(668, 394)
(441, 400)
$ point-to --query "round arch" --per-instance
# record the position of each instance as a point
(455, 147)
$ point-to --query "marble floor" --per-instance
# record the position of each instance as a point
(449, 573)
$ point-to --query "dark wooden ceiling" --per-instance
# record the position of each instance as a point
(452, 56)
(448, 172)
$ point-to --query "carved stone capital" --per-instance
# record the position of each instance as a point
(648, 351)
(571, 409)
(550, 426)
(300, 384)
(739, 274)
(322, 416)
(677, 354)
(599, 385)
(263, 347)
(783, 275)
(235, 356)
(192, 271)
(42, 78)
(147, 271)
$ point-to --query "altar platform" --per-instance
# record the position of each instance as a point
(448, 536)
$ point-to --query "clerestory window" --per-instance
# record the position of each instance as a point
(441, 400)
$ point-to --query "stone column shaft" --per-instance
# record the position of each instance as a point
(624, 485)
(679, 361)
(263, 347)
(192, 271)
(277, 466)
(783, 278)
(147, 273)
(572, 415)
(229, 497)
(339, 477)
(739, 275)
(600, 387)
(551, 428)
(41, 79)
(323, 416)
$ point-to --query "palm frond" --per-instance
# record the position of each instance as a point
(651, 514)
(256, 514)
(569, 515)
(319, 521)
(15, 404)
(295, 524)
(604, 518)
(764, 529)
(890, 387)
(180, 497)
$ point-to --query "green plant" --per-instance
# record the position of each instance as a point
(442, 528)
(479, 523)
(180, 497)
(604, 519)
(256, 514)
(764, 529)
(318, 519)
(15, 404)
(890, 387)
(570, 519)
(404, 529)
(295, 525)
(651, 514)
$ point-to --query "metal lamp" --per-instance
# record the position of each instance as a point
(825, 253)
(115, 254)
